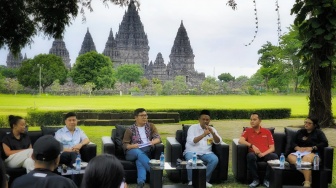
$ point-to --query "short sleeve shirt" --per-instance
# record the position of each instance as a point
(262, 140)
(17, 144)
(67, 139)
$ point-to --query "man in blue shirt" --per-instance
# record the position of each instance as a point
(72, 139)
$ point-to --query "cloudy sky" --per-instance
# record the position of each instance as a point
(217, 33)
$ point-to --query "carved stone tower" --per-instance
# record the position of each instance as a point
(59, 49)
(109, 47)
(159, 68)
(182, 59)
(131, 40)
(14, 62)
(88, 44)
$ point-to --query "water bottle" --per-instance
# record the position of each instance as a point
(78, 163)
(298, 161)
(316, 160)
(194, 160)
(162, 160)
(282, 161)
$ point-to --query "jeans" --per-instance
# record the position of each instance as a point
(210, 160)
(252, 160)
(141, 160)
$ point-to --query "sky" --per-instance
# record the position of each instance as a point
(217, 33)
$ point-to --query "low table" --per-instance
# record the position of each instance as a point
(198, 177)
(73, 174)
(318, 175)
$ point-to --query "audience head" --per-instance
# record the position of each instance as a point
(103, 171)
(204, 118)
(140, 116)
(311, 123)
(70, 120)
(17, 123)
(46, 152)
(255, 120)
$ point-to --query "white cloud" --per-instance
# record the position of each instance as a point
(217, 33)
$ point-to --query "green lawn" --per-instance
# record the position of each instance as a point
(19, 104)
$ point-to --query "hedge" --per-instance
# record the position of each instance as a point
(43, 118)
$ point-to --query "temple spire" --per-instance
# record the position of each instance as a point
(88, 44)
(12, 61)
(59, 49)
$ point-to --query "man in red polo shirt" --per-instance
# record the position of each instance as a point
(261, 147)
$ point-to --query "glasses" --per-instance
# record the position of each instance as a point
(143, 115)
(307, 122)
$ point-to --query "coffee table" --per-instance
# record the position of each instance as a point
(73, 174)
(198, 177)
(318, 175)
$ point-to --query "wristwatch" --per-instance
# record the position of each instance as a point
(314, 148)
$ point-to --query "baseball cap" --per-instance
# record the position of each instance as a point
(46, 148)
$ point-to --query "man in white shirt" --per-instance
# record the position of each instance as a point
(199, 140)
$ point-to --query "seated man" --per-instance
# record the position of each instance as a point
(137, 143)
(72, 139)
(199, 140)
(261, 147)
(46, 153)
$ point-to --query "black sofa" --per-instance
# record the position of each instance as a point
(174, 150)
(113, 145)
(282, 143)
(87, 152)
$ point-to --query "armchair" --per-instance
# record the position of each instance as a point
(174, 150)
(282, 143)
(113, 145)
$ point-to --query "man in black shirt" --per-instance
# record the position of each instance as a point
(46, 153)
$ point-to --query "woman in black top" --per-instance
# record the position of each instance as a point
(17, 146)
(310, 140)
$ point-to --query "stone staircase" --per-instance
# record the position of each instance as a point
(125, 118)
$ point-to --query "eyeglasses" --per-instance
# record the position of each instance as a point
(307, 122)
(143, 115)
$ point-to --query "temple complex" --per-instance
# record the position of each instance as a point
(59, 49)
(12, 61)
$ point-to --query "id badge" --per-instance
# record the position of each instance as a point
(209, 141)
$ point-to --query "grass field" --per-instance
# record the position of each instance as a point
(19, 104)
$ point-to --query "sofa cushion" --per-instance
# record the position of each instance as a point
(290, 137)
(269, 128)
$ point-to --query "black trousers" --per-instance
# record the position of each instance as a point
(68, 158)
(252, 160)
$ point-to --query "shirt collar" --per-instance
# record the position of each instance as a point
(67, 130)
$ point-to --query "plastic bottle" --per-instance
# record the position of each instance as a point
(282, 161)
(316, 160)
(162, 160)
(78, 163)
(298, 161)
(194, 160)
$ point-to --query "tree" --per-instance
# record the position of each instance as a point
(29, 18)
(88, 86)
(52, 68)
(13, 85)
(157, 86)
(209, 85)
(95, 68)
(9, 72)
(317, 31)
(55, 86)
(167, 88)
(129, 73)
(226, 77)
(144, 83)
(180, 85)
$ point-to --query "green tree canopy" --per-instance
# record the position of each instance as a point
(22, 20)
(9, 72)
(93, 67)
(226, 77)
(180, 85)
(210, 85)
(129, 73)
(52, 68)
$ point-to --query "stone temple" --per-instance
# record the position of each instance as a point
(130, 46)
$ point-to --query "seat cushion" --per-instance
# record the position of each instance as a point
(290, 137)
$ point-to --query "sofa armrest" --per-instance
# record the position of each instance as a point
(158, 149)
(328, 157)
(239, 164)
(108, 145)
(222, 152)
(173, 151)
(88, 151)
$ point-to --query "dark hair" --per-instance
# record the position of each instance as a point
(315, 121)
(204, 112)
(138, 111)
(70, 114)
(103, 171)
(13, 120)
(3, 178)
(256, 113)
